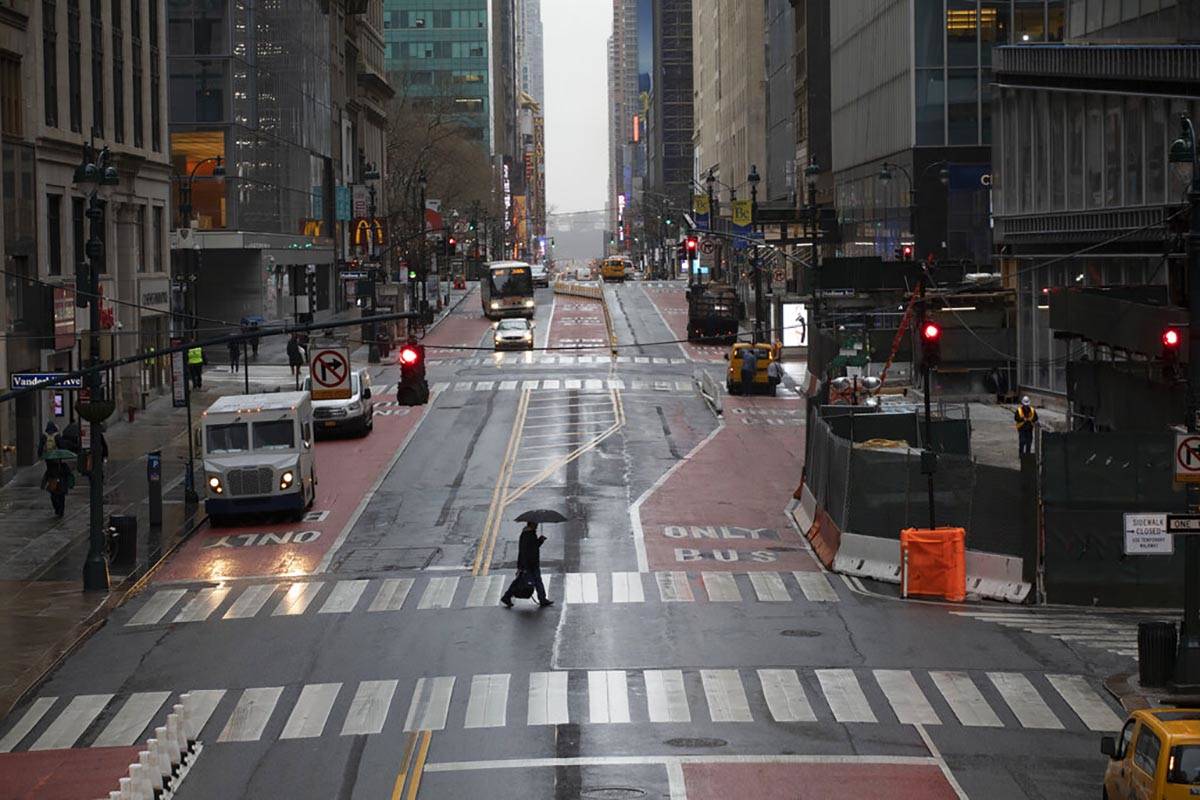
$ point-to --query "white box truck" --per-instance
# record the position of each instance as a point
(258, 455)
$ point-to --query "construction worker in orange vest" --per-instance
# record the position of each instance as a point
(1027, 419)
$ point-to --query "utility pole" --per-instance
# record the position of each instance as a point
(96, 170)
(368, 172)
(756, 262)
(710, 183)
(814, 221)
(423, 184)
(1187, 661)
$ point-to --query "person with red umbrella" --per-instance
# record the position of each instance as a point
(529, 561)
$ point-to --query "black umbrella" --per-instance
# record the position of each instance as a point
(541, 515)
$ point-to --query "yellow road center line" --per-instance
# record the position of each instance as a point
(405, 763)
(414, 785)
(496, 508)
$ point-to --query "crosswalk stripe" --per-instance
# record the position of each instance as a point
(608, 696)
(1087, 705)
(344, 597)
(550, 384)
(627, 587)
(297, 598)
(683, 386)
(905, 697)
(484, 386)
(616, 383)
(487, 706)
(641, 360)
(769, 587)
(439, 593)
(785, 696)
(438, 387)
(461, 386)
(250, 601)
(673, 587)
(529, 385)
(965, 699)
(580, 587)
(485, 591)
(507, 386)
(721, 587)
(1024, 701)
(204, 603)
(28, 721)
(430, 704)
(548, 698)
(66, 729)
(845, 695)
(369, 709)
(725, 695)
(203, 702)
(126, 727)
(251, 715)
(816, 587)
(311, 711)
(392, 594)
(666, 697)
(156, 607)
(572, 383)
(593, 385)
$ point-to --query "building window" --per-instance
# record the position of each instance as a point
(78, 236)
(135, 37)
(50, 61)
(1094, 151)
(931, 107)
(962, 33)
(139, 239)
(74, 68)
(1075, 147)
(156, 243)
(98, 67)
(54, 233)
(11, 122)
(1029, 23)
(1112, 151)
(963, 85)
(1058, 180)
(155, 83)
(118, 46)
(1156, 149)
(1135, 112)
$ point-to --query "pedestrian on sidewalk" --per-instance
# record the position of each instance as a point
(1027, 419)
(195, 360)
(50, 440)
(235, 350)
(749, 368)
(295, 357)
(529, 566)
(57, 481)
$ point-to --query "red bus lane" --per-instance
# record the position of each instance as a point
(671, 303)
(704, 515)
(860, 779)
(578, 322)
(348, 470)
(462, 328)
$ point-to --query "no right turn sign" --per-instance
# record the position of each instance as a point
(1187, 458)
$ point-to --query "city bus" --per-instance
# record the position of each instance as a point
(506, 290)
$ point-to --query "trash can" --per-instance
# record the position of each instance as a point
(1156, 653)
(122, 532)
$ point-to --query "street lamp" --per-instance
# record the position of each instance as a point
(1187, 662)
(886, 175)
(185, 194)
(369, 172)
(756, 265)
(811, 173)
(96, 170)
(423, 185)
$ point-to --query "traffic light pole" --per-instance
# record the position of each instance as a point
(95, 567)
(1187, 660)
(929, 468)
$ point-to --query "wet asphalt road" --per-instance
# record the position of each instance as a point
(401, 676)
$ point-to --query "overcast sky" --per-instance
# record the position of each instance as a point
(576, 35)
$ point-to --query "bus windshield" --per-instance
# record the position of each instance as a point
(511, 282)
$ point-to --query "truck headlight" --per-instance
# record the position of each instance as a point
(214, 483)
(287, 479)
(529, 304)
(495, 305)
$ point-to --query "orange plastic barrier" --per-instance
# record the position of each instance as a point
(934, 563)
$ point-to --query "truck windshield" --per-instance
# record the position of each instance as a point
(277, 435)
(232, 438)
(1185, 765)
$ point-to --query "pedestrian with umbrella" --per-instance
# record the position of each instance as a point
(58, 479)
(529, 559)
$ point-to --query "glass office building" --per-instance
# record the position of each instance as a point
(437, 53)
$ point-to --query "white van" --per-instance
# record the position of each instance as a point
(258, 455)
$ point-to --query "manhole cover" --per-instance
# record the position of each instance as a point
(686, 742)
(800, 633)
(612, 793)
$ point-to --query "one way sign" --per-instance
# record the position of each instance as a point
(330, 371)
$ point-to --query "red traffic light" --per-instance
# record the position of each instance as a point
(907, 252)
(1171, 338)
(931, 332)
(453, 241)
(409, 355)
(691, 243)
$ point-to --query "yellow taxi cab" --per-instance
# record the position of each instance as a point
(1156, 757)
(613, 269)
(764, 380)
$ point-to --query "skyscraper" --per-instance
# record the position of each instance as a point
(530, 50)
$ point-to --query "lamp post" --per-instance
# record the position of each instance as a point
(886, 174)
(423, 184)
(368, 172)
(95, 170)
(811, 172)
(710, 182)
(755, 263)
(1187, 662)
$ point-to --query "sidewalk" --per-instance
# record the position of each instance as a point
(43, 609)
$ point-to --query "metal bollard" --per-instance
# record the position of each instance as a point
(139, 784)
(181, 713)
(126, 790)
(176, 736)
(162, 761)
(189, 717)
